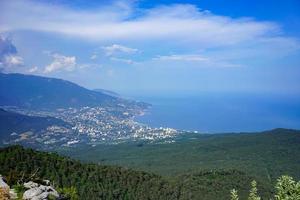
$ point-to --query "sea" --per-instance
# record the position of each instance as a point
(222, 112)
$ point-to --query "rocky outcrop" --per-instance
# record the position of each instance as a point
(34, 191)
(30, 185)
(38, 192)
(4, 190)
(13, 194)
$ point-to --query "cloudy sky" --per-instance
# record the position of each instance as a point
(170, 46)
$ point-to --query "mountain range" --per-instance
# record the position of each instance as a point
(36, 92)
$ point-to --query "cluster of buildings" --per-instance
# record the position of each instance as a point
(95, 125)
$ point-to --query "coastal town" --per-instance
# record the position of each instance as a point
(91, 125)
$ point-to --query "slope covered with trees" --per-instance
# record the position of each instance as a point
(264, 155)
(92, 181)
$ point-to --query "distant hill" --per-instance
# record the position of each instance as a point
(93, 181)
(38, 92)
(108, 92)
(11, 122)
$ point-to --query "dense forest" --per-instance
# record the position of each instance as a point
(199, 166)
(92, 181)
(264, 155)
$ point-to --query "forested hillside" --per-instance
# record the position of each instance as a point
(265, 155)
(93, 181)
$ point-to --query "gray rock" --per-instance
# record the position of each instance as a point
(2, 183)
(30, 185)
(31, 193)
(53, 192)
(13, 194)
(43, 188)
(42, 196)
(39, 192)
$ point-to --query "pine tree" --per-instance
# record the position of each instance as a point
(234, 194)
(253, 192)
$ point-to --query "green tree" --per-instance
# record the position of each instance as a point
(253, 192)
(287, 189)
(234, 194)
(69, 192)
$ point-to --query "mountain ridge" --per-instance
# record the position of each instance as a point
(107, 92)
(37, 92)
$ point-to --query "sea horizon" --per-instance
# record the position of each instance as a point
(221, 112)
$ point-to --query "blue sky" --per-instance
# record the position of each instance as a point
(156, 46)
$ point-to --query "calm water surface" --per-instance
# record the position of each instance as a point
(223, 112)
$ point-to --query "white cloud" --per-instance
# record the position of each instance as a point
(181, 26)
(176, 23)
(11, 63)
(184, 57)
(88, 65)
(33, 69)
(193, 60)
(94, 57)
(123, 60)
(6, 47)
(61, 62)
(13, 60)
(116, 48)
(9, 60)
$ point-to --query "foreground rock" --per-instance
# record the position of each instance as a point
(30, 185)
(13, 194)
(34, 191)
(38, 192)
(4, 190)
